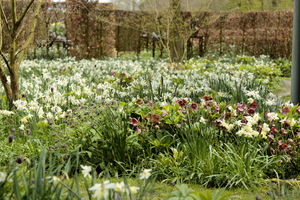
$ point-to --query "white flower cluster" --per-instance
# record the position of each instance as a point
(55, 86)
(101, 190)
(248, 131)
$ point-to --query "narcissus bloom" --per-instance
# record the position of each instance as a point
(120, 187)
(134, 189)
(102, 189)
(86, 171)
(54, 179)
(2, 176)
(145, 174)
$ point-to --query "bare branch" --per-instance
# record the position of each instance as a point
(14, 12)
(24, 13)
(30, 37)
(4, 17)
(5, 82)
(1, 43)
(5, 60)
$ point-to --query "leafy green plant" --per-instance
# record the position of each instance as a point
(245, 164)
(285, 66)
(37, 179)
(58, 28)
(43, 178)
(185, 193)
(106, 138)
(244, 59)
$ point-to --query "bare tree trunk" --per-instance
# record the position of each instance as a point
(16, 53)
(176, 43)
(6, 86)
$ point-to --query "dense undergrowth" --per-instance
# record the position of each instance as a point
(214, 122)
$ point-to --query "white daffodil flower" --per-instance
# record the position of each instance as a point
(145, 174)
(134, 189)
(86, 171)
(101, 190)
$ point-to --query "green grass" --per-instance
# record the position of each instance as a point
(161, 190)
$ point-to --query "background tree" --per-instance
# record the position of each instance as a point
(172, 25)
(176, 23)
(16, 51)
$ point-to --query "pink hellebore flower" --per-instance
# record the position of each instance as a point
(287, 123)
(269, 118)
(218, 122)
(207, 99)
(138, 130)
(164, 113)
(183, 110)
(284, 133)
(151, 103)
(251, 111)
(145, 118)
(194, 106)
(155, 119)
(240, 108)
(290, 141)
(285, 110)
(270, 138)
(298, 109)
(182, 102)
(272, 150)
(273, 130)
(134, 122)
(283, 146)
(253, 105)
(122, 75)
(217, 108)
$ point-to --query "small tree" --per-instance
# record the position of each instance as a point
(16, 52)
(175, 21)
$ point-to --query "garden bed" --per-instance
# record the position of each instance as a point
(215, 123)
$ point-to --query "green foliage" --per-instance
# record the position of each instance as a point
(245, 164)
(204, 122)
(49, 53)
(58, 28)
(185, 193)
(244, 59)
(104, 135)
(47, 178)
(30, 180)
(285, 67)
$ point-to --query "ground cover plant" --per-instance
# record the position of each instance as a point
(214, 122)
